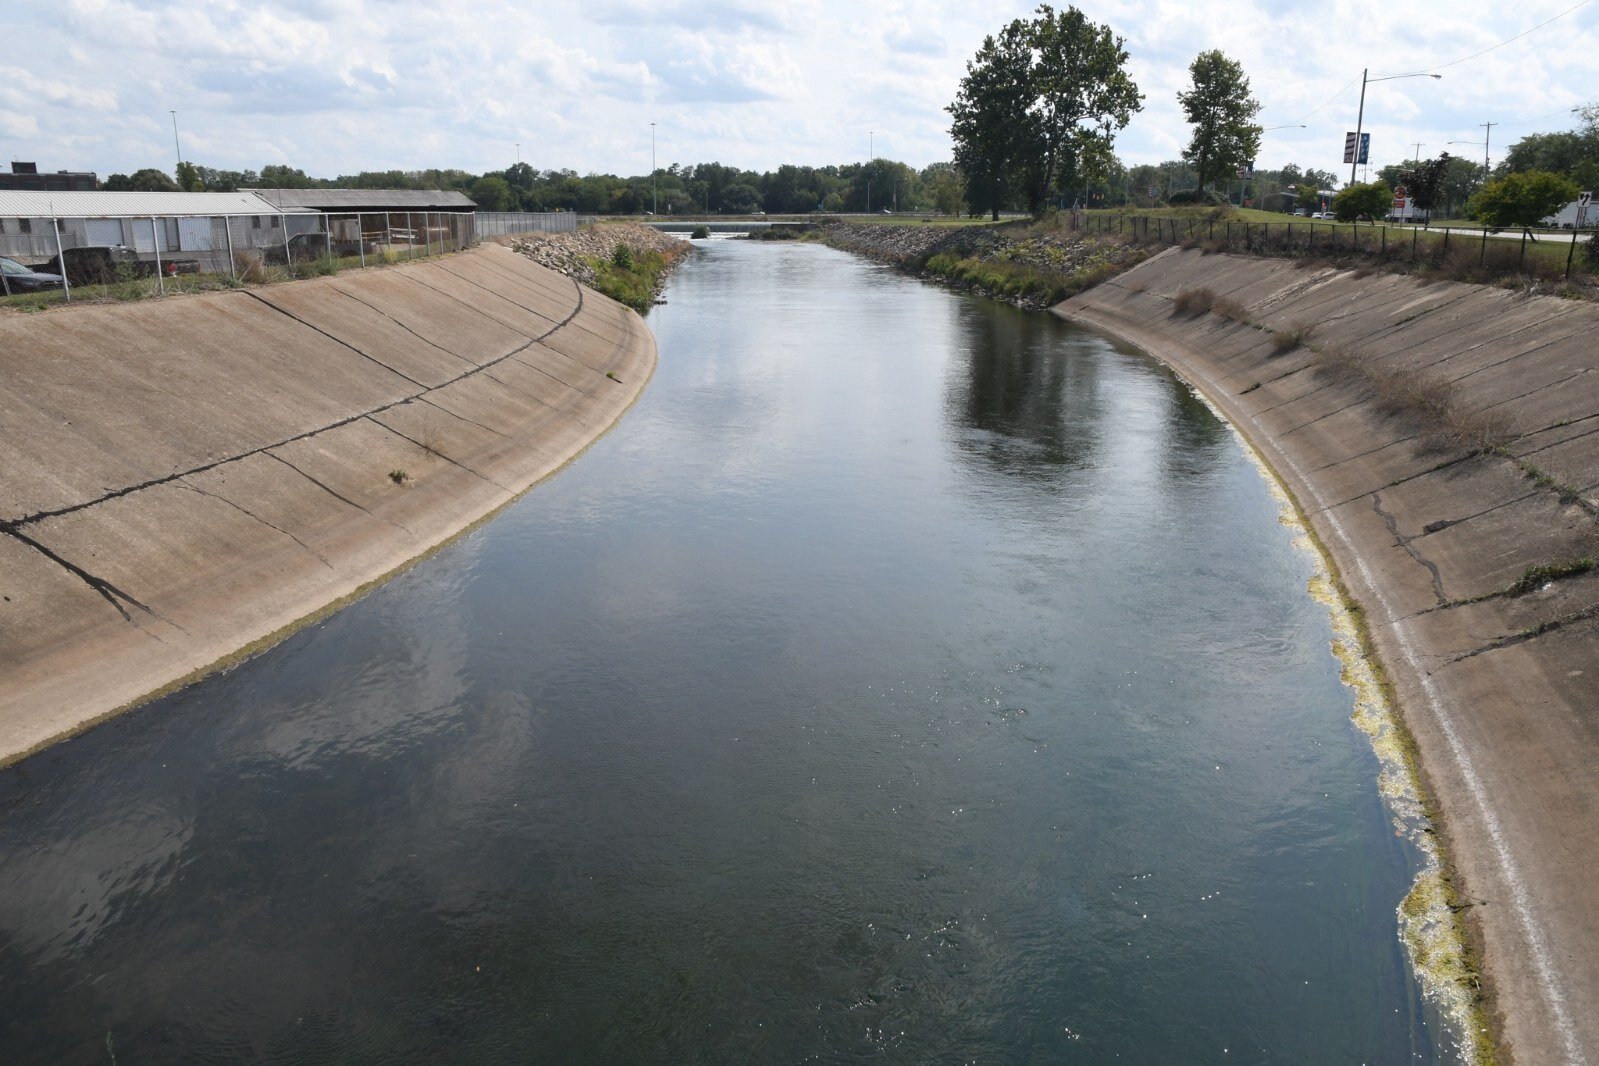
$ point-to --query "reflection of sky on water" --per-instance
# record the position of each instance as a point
(904, 674)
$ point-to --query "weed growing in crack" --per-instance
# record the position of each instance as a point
(1537, 576)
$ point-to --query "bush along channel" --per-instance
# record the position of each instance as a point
(626, 261)
(1032, 265)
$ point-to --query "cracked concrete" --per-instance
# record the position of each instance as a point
(190, 477)
(1498, 691)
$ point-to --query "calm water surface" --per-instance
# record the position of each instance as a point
(904, 679)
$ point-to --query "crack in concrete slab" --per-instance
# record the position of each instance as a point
(258, 518)
(1404, 542)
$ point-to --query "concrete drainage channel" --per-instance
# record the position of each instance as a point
(1467, 555)
(191, 479)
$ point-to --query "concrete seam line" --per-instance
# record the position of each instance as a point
(16, 523)
(337, 340)
(434, 451)
(397, 322)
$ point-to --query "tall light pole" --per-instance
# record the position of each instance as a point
(655, 201)
(518, 151)
(1360, 117)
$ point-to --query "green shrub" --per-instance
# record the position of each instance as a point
(700, 233)
(622, 257)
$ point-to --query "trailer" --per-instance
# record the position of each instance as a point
(1579, 214)
(1404, 208)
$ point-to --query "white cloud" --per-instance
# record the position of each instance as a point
(336, 87)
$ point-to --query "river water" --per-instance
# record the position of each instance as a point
(905, 679)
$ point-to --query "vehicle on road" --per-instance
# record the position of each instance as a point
(14, 277)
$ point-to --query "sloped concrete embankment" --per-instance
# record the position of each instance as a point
(188, 477)
(1500, 691)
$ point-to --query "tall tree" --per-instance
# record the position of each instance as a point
(1039, 109)
(1084, 95)
(1424, 181)
(991, 127)
(1222, 112)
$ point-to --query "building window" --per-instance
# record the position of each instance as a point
(25, 224)
(255, 221)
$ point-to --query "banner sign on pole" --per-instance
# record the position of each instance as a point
(1349, 148)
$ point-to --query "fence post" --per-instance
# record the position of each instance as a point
(61, 257)
(233, 263)
(1414, 233)
(1573, 252)
(1247, 246)
(410, 244)
(1446, 242)
(1385, 242)
(1482, 256)
(360, 240)
(155, 236)
(327, 234)
(1521, 260)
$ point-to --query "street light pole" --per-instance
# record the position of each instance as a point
(1360, 117)
(655, 200)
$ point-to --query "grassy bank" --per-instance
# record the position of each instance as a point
(634, 278)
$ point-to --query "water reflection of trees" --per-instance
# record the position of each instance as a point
(1017, 402)
(1036, 399)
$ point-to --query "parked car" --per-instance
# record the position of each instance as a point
(307, 246)
(14, 277)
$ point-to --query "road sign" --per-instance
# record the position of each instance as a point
(1349, 148)
(1584, 202)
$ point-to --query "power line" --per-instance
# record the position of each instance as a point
(1508, 40)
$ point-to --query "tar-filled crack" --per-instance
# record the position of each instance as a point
(1404, 542)
(109, 592)
(1532, 632)
(265, 449)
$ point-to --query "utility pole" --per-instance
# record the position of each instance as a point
(1488, 132)
(1418, 150)
(655, 201)
(177, 149)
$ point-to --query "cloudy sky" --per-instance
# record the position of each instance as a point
(337, 86)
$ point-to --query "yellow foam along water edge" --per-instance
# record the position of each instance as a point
(1427, 925)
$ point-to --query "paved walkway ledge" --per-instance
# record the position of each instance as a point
(188, 480)
(1500, 693)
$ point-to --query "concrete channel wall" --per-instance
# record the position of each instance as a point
(1500, 692)
(187, 478)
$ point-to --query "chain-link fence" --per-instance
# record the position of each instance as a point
(1474, 254)
(505, 223)
(124, 257)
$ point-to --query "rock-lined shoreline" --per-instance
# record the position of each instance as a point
(1032, 266)
(586, 256)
